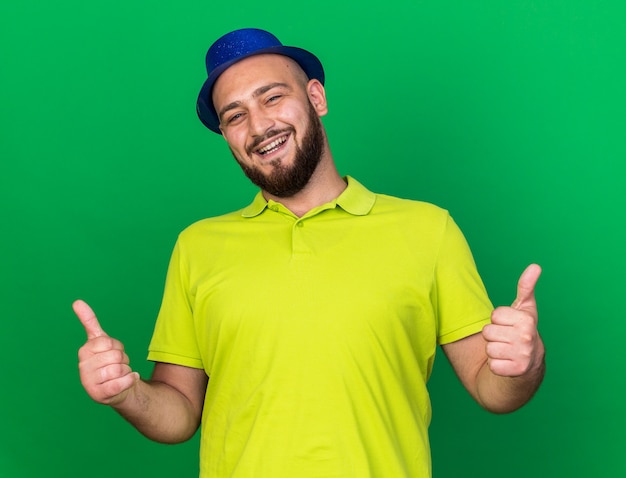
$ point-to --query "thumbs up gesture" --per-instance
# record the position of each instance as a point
(513, 343)
(103, 365)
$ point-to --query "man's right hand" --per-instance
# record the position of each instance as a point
(103, 365)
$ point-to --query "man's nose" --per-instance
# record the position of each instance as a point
(259, 122)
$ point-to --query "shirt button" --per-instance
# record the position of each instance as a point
(300, 224)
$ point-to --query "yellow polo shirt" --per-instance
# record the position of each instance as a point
(318, 333)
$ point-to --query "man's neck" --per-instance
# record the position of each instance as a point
(324, 186)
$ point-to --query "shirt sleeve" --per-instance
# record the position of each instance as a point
(174, 338)
(462, 304)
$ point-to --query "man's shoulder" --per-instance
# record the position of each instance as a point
(400, 205)
(204, 225)
(388, 203)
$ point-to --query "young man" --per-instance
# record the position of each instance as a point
(301, 331)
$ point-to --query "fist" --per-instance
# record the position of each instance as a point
(513, 343)
(103, 365)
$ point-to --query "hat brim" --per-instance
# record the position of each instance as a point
(206, 112)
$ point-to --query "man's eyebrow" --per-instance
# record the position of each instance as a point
(266, 88)
(229, 106)
(256, 93)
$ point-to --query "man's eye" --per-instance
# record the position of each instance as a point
(234, 117)
(273, 98)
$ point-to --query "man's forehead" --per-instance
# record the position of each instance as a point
(262, 61)
(258, 70)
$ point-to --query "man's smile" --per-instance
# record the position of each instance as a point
(273, 146)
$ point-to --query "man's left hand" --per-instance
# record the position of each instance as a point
(513, 343)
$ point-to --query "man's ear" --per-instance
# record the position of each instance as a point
(317, 96)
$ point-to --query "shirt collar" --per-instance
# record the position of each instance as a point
(356, 199)
(256, 207)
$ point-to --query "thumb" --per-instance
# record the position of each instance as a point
(89, 320)
(526, 288)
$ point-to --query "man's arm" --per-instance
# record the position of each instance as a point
(167, 408)
(503, 366)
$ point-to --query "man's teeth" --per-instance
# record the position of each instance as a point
(272, 146)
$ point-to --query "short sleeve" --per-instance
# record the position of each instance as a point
(461, 301)
(174, 338)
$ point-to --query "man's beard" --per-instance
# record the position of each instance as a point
(285, 181)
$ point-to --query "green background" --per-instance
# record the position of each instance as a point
(511, 114)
